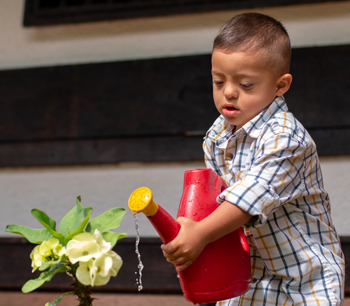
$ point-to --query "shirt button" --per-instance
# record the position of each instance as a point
(229, 156)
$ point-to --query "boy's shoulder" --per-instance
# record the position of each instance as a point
(287, 124)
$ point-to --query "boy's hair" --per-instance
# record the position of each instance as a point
(254, 31)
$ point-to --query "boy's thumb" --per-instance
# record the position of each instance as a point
(181, 220)
(167, 248)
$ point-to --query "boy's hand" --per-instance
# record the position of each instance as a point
(194, 236)
(187, 245)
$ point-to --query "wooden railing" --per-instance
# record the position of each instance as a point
(158, 111)
(159, 276)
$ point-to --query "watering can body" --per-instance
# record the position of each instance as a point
(222, 270)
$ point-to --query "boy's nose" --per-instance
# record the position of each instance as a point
(230, 91)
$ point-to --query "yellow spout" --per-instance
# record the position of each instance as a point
(141, 200)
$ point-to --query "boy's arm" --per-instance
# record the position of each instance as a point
(194, 236)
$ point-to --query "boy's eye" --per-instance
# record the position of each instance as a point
(217, 82)
(246, 85)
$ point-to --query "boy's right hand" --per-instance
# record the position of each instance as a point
(194, 236)
(186, 246)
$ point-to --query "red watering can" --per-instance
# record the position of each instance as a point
(222, 270)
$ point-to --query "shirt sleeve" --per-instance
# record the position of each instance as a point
(275, 177)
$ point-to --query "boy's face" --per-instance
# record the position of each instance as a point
(242, 85)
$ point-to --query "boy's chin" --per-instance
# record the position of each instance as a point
(230, 120)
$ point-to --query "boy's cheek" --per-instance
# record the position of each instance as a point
(217, 99)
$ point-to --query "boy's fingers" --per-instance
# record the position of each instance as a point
(168, 248)
(179, 262)
(166, 255)
(172, 256)
(181, 267)
(176, 261)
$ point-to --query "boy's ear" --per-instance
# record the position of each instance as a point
(283, 84)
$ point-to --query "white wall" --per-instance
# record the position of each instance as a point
(54, 189)
(308, 25)
(336, 175)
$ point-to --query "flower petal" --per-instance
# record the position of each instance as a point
(53, 243)
(117, 263)
(105, 246)
(101, 280)
(83, 273)
(85, 236)
(34, 255)
(82, 250)
(60, 250)
(103, 264)
(45, 249)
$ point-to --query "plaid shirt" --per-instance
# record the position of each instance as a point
(273, 171)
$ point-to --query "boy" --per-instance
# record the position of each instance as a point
(270, 164)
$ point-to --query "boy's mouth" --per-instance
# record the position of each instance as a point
(230, 110)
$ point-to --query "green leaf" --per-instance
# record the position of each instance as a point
(44, 218)
(80, 229)
(55, 302)
(48, 264)
(87, 211)
(113, 237)
(36, 236)
(71, 221)
(48, 223)
(109, 220)
(33, 284)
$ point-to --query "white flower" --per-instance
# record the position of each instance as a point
(85, 246)
(85, 272)
(47, 250)
(56, 248)
(97, 272)
(117, 263)
(105, 246)
(37, 258)
(97, 263)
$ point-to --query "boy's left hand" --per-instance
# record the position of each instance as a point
(186, 246)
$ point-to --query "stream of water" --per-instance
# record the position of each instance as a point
(140, 265)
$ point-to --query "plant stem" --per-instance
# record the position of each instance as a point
(81, 291)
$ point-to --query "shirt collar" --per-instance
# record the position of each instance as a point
(222, 130)
(253, 127)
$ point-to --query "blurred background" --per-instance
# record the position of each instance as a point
(100, 97)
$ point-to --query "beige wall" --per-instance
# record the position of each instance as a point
(54, 189)
(308, 25)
